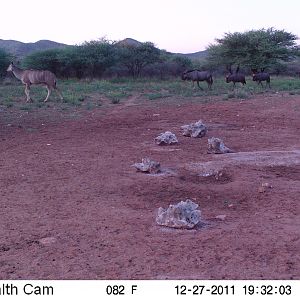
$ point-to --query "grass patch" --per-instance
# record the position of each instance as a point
(82, 94)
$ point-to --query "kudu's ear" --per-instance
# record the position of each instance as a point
(262, 70)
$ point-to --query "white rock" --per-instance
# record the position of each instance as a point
(166, 138)
(216, 146)
(195, 130)
(182, 215)
(148, 166)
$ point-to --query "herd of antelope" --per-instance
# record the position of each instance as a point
(196, 75)
(48, 79)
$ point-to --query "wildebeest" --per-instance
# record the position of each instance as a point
(261, 76)
(236, 77)
(196, 75)
(29, 77)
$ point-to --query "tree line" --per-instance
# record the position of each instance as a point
(270, 49)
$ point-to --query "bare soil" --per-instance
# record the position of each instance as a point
(73, 207)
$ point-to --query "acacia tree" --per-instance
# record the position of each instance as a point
(262, 48)
(44, 60)
(136, 57)
(97, 56)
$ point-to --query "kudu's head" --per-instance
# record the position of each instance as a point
(10, 67)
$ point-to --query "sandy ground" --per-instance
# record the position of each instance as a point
(73, 207)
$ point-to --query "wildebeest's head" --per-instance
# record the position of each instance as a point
(229, 74)
(184, 75)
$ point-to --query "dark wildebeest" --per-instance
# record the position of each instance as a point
(29, 77)
(261, 76)
(236, 77)
(196, 75)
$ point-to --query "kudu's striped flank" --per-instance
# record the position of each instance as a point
(29, 77)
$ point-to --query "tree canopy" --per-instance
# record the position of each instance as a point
(4, 62)
(262, 48)
(137, 57)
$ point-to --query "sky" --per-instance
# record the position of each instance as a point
(179, 26)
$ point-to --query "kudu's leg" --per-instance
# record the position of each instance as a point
(49, 93)
(59, 93)
(27, 92)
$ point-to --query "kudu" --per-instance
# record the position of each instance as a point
(261, 76)
(236, 77)
(29, 77)
(196, 75)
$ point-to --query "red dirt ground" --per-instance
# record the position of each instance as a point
(73, 207)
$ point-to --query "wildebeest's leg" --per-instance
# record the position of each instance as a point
(49, 92)
(199, 85)
(209, 83)
(233, 86)
(27, 91)
(269, 84)
(261, 84)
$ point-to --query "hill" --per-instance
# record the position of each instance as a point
(129, 42)
(20, 49)
(194, 56)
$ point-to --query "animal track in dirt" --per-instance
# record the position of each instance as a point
(212, 176)
(254, 158)
(288, 172)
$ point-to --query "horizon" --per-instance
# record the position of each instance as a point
(173, 26)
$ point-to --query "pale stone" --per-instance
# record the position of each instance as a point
(182, 215)
(166, 138)
(216, 146)
(195, 130)
(148, 166)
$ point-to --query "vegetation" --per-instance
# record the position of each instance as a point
(272, 49)
(103, 58)
(136, 57)
(265, 48)
(88, 95)
(4, 62)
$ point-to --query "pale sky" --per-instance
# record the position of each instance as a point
(183, 26)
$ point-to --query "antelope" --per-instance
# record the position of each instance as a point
(261, 76)
(237, 77)
(196, 75)
(29, 77)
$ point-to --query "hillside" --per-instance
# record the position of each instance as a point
(20, 50)
(194, 56)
